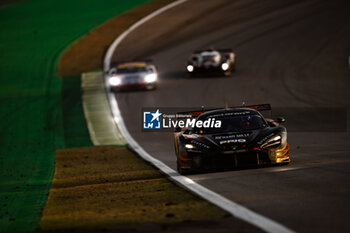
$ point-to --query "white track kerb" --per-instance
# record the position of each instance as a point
(235, 209)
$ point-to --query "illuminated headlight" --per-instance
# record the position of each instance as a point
(190, 68)
(115, 81)
(189, 146)
(224, 66)
(274, 141)
(150, 78)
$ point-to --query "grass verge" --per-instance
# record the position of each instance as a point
(105, 187)
(32, 36)
(76, 133)
(88, 52)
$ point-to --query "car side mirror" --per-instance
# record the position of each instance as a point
(271, 124)
(112, 71)
(280, 120)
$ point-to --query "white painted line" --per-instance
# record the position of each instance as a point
(101, 126)
(107, 60)
(235, 209)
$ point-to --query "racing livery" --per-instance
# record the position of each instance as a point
(244, 138)
(211, 61)
(132, 75)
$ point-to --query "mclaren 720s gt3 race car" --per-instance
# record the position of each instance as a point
(211, 61)
(244, 138)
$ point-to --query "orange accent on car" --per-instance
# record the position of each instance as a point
(183, 161)
(192, 136)
(283, 152)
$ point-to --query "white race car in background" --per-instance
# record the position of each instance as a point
(132, 75)
(211, 61)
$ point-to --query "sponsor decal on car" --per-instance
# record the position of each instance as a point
(239, 140)
(199, 144)
(232, 136)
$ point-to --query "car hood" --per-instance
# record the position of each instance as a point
(209, 64)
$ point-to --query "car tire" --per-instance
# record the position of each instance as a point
(227, 73)
(191, 75)
(114, 89)
(181, 170)
(150, 87)
(233, 69)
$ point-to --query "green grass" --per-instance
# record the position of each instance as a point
(33, 34)
(76, 133)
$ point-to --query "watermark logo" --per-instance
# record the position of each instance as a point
(168, 119)
(152, 120)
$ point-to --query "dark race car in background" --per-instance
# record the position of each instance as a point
(211, 61)
(132, 75)
(245, 138)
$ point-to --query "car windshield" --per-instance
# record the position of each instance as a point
(235, 124)
(211, 58)
(129, 70)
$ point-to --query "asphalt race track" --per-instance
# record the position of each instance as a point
(291, 54)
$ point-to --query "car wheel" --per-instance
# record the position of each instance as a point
(227, 73)
(150, 87)
(233, 67)
(114, 89)
(181, 170)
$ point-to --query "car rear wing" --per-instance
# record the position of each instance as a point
(259, 107)
(196, 113)
(209, 50)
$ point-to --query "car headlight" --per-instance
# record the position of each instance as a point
(190, 68)
(274, 141)
(189, 146)
(224, 66)
(150, 78)
(115, 81)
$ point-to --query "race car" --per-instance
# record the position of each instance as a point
(244, 138)
(131, 75)
(211, 61)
